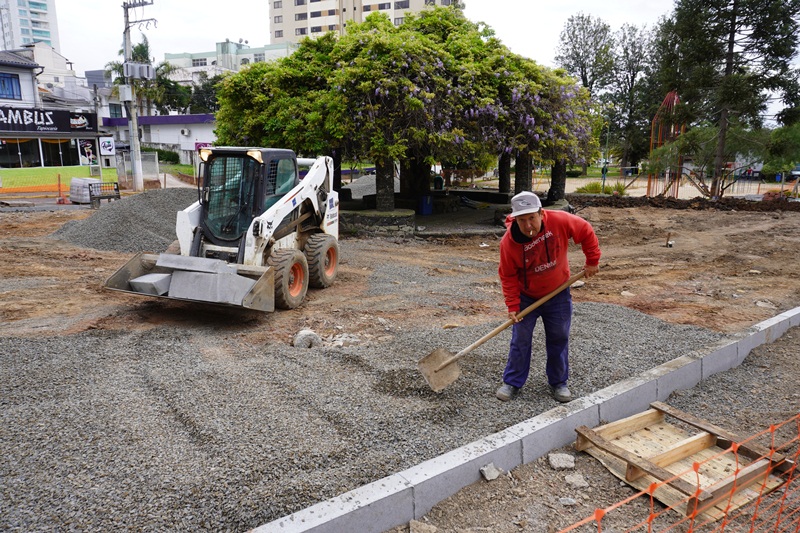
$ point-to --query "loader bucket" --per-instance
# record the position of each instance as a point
(196, 279)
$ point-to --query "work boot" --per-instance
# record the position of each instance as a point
(506, 392)
(561, 393)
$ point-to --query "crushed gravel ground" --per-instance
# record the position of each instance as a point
(194, 427)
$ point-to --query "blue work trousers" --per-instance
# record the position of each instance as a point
(556, 316)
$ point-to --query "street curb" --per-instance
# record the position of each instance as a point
(410, 494)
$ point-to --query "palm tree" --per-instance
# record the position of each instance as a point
(160, 92)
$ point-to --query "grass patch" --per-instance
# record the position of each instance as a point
(48, 176)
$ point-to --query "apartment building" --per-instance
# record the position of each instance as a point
(229, 56)
(292, 20)
(28, 21)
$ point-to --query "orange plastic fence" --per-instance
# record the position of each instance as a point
(777, 511)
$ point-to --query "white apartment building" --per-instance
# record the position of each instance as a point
(229, 56)
(25, 22)
(292, 20)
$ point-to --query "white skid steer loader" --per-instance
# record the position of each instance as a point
(257, 237)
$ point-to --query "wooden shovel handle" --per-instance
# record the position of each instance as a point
(541, 301)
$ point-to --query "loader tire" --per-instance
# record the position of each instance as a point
(291, 277)
(322, 252)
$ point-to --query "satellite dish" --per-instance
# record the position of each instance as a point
(240, 41)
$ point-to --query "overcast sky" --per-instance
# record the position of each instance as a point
(91, 32)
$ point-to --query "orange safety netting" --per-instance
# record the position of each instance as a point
(776, 510)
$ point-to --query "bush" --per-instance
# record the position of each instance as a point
(595, 187)
(574, 173)
(164, 156)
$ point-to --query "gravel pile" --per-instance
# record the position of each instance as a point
(141, 223)
(192, 427)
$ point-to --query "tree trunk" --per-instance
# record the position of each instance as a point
(522, 180)
(558, 181)
(415, 179)
(719, 156)
(504, 172)
(384, 185)
(336, 154)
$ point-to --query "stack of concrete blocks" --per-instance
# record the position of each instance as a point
(195, 278)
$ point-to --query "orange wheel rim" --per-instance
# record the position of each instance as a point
(295, 279)
(330, 262)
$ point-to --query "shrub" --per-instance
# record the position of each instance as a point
(595, 187)
(164, 156)
(574, 173)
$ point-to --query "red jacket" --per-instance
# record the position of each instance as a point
(537, 265)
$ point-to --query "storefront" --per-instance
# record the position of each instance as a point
(31, 137)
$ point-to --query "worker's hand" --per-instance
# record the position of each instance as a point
(513, 316)
(590, 271)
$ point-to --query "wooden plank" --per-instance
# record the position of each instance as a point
(681, 450)
(624, 426)
(642, 464)
(750, 450)
(724, 489)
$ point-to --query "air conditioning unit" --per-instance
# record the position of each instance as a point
(185, 132)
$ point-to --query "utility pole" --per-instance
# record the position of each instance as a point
(133, 111)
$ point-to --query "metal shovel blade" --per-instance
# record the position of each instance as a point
(438, 378)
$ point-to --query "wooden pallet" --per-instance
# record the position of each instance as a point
(645, 448)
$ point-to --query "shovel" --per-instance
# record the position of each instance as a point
(440, 367)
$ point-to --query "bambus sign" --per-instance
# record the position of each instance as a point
(46, 120)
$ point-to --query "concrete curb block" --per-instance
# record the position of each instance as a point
(410, 494)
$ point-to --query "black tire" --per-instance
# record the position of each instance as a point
(291, 277)
(322, 252)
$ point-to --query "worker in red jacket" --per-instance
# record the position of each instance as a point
(533, 262)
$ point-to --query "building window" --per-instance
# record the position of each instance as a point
(299, 2)
(446, 2)
(300, 31)
(331, 12)
(9, 86)
(366, 8)
(387, 5)
(316, 29)
(301, 16)
(244, 61)
(430, 2)
(199, 62)
(277, 4)
(332, 27)
(278, 34)
(278, 19)
(38, 5)
(316, 14)
(258, 58)
(403, 4)
(398, 21)
(115, 110)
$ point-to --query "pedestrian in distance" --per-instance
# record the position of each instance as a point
(533, 262)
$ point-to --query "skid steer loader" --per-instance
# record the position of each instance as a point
(258, 236)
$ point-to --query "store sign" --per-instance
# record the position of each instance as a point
(107, 146)
(46, 120)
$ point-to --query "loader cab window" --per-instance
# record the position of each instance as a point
(281, 178)
(230, 193)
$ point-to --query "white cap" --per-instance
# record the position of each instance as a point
(524, 203)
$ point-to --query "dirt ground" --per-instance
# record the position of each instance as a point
(720, 269)
(723, 270)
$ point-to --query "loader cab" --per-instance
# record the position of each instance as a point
(239, 184)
